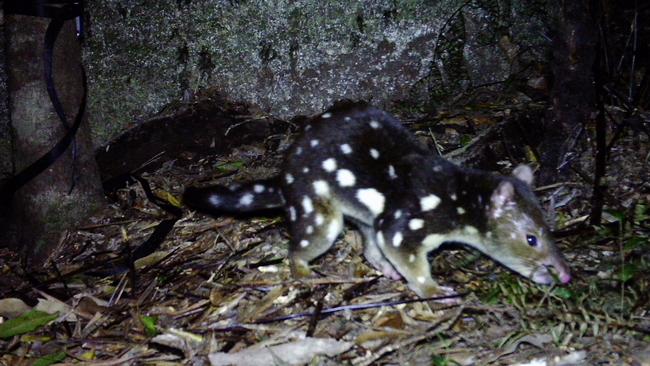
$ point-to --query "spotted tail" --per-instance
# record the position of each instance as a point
(255, 196)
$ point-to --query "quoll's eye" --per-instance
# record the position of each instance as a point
(532, 240)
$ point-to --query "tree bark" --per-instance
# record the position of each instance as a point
(573, 92)
(44, 207)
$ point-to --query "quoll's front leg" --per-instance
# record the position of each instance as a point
(415, 268)
(373, 254)
(402, 243)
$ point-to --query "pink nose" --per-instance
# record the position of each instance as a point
(565, 277)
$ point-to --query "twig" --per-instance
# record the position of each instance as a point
(235, 125)
(97, 226)
(126, 359)
(307, 282)
(444, 25)
(556, 185)
(435, 142)
(358, 307)
(317, 314)
(336, 309)
(632, 72)
(117, 295)
(598, 196)
(461, 154)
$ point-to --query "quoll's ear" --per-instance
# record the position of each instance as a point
(524, 173)
(501, 196)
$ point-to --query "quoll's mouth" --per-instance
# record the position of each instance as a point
(543, 275)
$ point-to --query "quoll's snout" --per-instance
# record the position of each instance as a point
(565, 278)
(561, 269)
(551, 271)
(557, 264)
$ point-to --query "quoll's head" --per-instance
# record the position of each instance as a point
(518, 236)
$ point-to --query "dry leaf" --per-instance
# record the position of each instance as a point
(12, 307)
(293, 353)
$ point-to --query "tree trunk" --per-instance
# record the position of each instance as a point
(573, 92)
(6, 165)
(44, 207)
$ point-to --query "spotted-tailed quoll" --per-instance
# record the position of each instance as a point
(359, 163)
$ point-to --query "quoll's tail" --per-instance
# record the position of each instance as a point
(255, 196)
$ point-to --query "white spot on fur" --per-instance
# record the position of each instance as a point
(321, 188)
(215, 199)
(346, 149)
(333, 229)
(288, 178)
(345, 178)
(246, 200)
(397, 239)
(309, 230)
(298, 150)
(307, 205)
(374, 124)
(258, 188)
(329, 165)
(347, 119)
(292, 213)
(314, 143)
(391, 172)
(372, 199)
(416, 224)
(437, 168)
(422, 279)
(432, 241)
(319, 219)
(305, 170)
(374, 153)
(429, 202)
(326, 115)
(380, 239)
(304, 243)
(453, 196)
(467, 234)
(460, 210)
(411, 258)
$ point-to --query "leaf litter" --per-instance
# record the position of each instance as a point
(218, 291)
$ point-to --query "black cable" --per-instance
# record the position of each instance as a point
(53, 30)
(59, 11)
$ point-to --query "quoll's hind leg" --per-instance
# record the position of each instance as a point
(414, 266)
(374, 255)
(315, 225)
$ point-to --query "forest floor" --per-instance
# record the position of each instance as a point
(218, 290)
